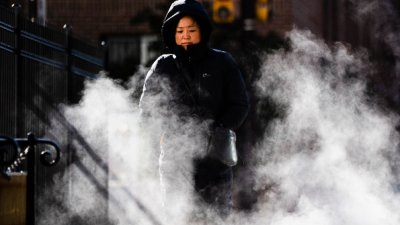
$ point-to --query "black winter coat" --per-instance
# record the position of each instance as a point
(217, 90)
(202, 82)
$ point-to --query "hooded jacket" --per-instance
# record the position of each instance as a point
(200, 81)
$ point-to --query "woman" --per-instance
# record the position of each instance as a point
(207, 86)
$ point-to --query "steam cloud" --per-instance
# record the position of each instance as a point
(331, 158)
(383, 19)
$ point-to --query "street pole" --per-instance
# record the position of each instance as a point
(248, 21)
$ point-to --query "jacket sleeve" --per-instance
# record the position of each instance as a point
(150, 99)
(237, 101)
(157, 93)
(149, 91)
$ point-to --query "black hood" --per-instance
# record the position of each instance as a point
(179, 9)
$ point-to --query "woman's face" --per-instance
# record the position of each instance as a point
(187, 32)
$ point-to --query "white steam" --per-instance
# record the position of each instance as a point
(383, 22)
(328, 160)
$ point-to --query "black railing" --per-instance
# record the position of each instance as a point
(24, 45)
(40, 68)
(35, 57)
(27, 35)
(48, 157)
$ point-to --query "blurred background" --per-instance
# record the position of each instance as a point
(49, 48)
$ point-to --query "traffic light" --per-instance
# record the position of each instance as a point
(223, 11)
(263, 10)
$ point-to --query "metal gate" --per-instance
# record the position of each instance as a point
(40, 68)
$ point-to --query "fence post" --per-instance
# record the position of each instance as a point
(31, 181)
(19, 122)
(104, 45)
(70, 134)
(68, 50)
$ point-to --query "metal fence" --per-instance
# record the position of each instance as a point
(38, 60)
(40, 68)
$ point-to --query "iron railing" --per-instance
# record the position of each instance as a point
(40, 68)
(48, 157)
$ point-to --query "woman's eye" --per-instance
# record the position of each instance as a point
(179, 31)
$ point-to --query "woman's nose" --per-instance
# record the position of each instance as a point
(186, 34)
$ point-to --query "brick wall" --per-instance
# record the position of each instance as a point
(331, 20)
(281, 20)
(308, 14)
(92, 18)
